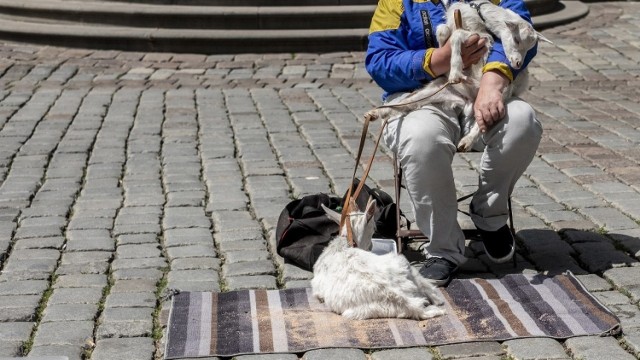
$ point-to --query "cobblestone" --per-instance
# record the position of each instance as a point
(596, 348)
(264, 267)
(63, 333)
(346, 354)
(405, 354)
(70, 312)
(470, 349)
(121, 172)
(75, 296)
(140, 348)
(632, 340)
(535, 348)
(251, 282)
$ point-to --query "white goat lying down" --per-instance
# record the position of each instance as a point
(361, 285)
(483, 18)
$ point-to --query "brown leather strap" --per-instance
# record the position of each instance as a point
(363, 137)
(347, 203)
(347, 207)
(370, 163)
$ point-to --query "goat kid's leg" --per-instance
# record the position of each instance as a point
(383, 113)
(404, 303)
(410, 103)
(455, 72)
(431, 312)
(379, 113)
(426, 288)
(466, 143)
(443, 32)
(373, 310)
(415, 309)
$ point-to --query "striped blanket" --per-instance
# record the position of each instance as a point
(293, 321)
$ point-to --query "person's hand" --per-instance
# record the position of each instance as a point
(489, 106)
(473, 49)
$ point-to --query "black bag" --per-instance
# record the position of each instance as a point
(303, 230)
(385, 215)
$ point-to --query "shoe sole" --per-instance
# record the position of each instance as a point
(441, 282)
(503, 259)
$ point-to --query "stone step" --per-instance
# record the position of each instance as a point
(190, 17)
(242, 2)
(209, 29)
(36, 358)
(564, 12)
(207, 41)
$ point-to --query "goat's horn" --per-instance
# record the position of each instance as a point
(371, 208)
(543, 38)
(352, 205)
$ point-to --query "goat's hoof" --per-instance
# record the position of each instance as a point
(437, 300)
(464, 146)
(457, 78)
(432, 311)
(371, 115)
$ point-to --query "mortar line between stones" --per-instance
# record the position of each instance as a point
(40, 183)
(44, 300)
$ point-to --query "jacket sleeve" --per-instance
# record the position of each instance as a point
(497, 59)
(389, 60)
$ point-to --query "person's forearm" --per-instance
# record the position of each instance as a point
(494, 80)
(440, 60)
(489, 106)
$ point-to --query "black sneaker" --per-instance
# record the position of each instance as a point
(499, 245)
(438, 270)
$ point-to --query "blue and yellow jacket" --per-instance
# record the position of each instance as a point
(402, 38)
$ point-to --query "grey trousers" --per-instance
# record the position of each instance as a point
(425, 142)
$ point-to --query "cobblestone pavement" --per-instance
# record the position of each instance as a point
(125, 174)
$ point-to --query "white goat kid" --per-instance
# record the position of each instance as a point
(483, 18)
(517, 35)
(358, 284)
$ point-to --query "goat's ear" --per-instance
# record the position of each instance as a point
(541, 37)
(512, 25)
(371, 208)
(333, 215)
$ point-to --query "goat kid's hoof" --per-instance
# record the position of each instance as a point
(371, 115)
(465, 144)
(457, 78)
(464, 147)
(432, 311)
(437, 301)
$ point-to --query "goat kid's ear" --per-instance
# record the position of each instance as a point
(371, 208)
(513, 26)
(333, 215)
(543, 38)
